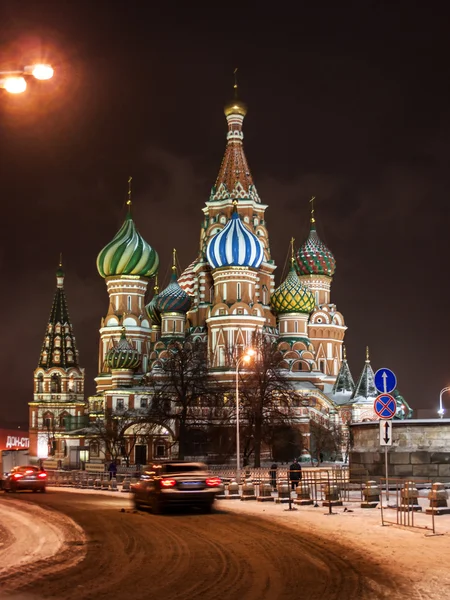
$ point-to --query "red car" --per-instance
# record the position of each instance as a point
(25, 478)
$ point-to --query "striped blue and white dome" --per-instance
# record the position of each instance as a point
(235, 246)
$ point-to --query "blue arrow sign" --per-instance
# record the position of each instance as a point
(385, 406)
(385, 381)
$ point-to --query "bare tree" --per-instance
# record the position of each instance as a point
(266, 395)
(325, 441)
(119, 431)
(183, 393)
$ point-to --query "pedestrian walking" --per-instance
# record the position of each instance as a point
(295, 474)
(273, 475)
(112, 469)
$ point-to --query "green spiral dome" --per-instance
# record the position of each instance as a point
(127, 254)
(292, 296)
(122, 356)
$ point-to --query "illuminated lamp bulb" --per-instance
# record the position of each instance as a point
(40, 71)
(14, 85)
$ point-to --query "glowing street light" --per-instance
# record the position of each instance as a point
(14, 85)
(40, 71)
(246, 357)
(14, 82)
(441, 410)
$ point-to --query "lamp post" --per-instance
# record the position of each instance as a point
(14, 81)
(441, 410)
(246, 357)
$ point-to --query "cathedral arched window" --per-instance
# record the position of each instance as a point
(69, 356)
(57, 342)
(40, 384)
(58, 328)
(246, 219)
(68, 342)
(44, 357)
(66, 328)
(47, 342)
(55, 383)
(129, 303)
(296, 326)
(239, 291)
(223, 220)
(56, 356)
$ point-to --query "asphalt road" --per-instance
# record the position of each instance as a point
(184, 556)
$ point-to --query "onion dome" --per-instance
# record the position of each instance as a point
(313, 257)
(292, 296)
(151, 310)
(235, 107)
(235, 246)
(128, 253)
(122, 356)
(173, 298)
(187, 279)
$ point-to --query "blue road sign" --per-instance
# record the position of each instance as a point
(385, 381)
(385, 406)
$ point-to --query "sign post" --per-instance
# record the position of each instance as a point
(385, 407)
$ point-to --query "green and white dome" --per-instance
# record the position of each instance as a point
(123, 356)
(128, 254)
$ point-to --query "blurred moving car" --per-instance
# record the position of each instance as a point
(176, 483)
(25, 478)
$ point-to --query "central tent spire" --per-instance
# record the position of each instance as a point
(234, 180)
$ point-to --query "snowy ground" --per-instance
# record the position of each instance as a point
(403, 554)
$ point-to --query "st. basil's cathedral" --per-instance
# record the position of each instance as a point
(224, 297)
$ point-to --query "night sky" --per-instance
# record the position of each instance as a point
(348, 101)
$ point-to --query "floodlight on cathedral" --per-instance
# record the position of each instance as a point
(313, 257)
(235, 246)
(292, 296)
(123, 356)
(128, 254)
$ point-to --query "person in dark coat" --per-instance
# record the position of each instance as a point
(112, 469)
(295, 474)
(273, 475)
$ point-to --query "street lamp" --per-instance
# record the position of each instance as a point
(246, 357)
(14, 81)
(441, 410)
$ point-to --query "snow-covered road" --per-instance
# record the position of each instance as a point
(34, 536)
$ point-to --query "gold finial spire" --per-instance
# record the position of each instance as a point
(156, 286)
(174, 258)
(129, 194)
(235, 86)
(344, 352)
(292, 251)
(367, 354)
(313, 220)
(60, 259)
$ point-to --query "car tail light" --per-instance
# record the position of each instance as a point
(213, 481)
(17, 475)
(42, 475)
(166, 483)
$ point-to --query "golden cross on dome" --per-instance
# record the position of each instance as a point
(156, 287)
(344, 351)
(60, 259)
(235, 86)
(129, 193)
(174, 258)
(313, 220)
(367, 353)
(292, 251)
